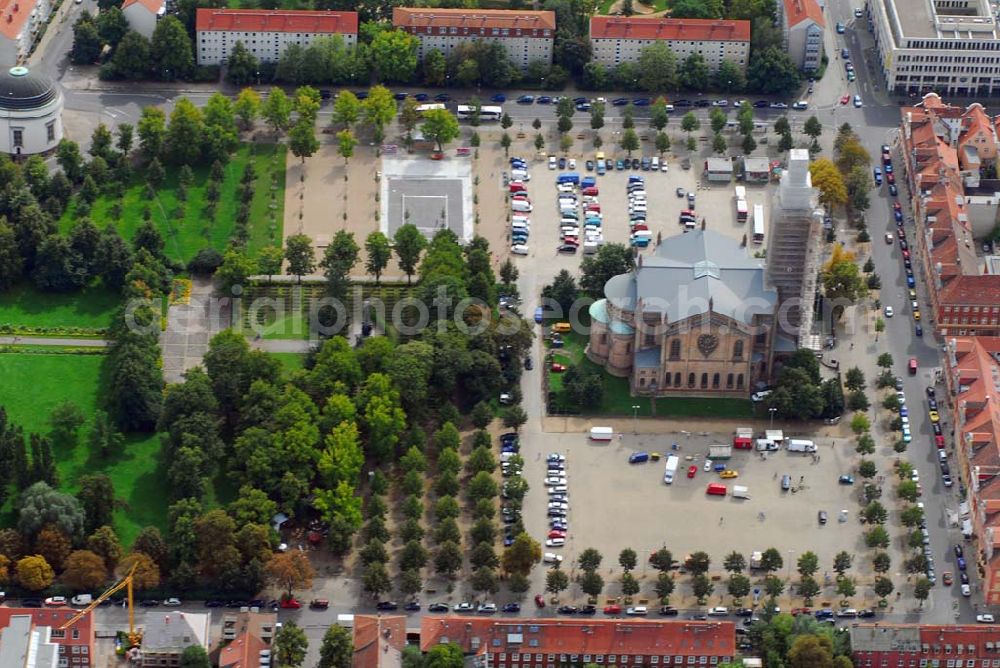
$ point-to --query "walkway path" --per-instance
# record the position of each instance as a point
(189, 329)
(52, 341)
(282, 345)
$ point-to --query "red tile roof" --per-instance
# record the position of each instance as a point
(414, 19)
(925, 642)
(637, 27)
(242, 652)
(797, 11)
(982, 290)
(378, 640)
(14, 15)
(153, 6)
(594, 636)
(279, 20)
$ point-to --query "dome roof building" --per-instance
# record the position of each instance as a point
(31, 108)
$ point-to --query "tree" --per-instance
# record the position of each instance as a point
(701, 586)
(771, 560)
(376, 580)
(378, 109)
(170, 50)
(664, 586)
(590, 559)
(379, 252)
(34, 573)
(505, 143)
(719, 144)
(86, 42)
(630, 141)
(69, 159)
(195, 656)
(185, 134)
(337, 650)
(290, 570)
(808, 587)
(408, 243)
(302, 139)
(884, 360)
(556, 581)
(846, 587)
(591, 583)
(441, 126)
(41, 505)
(290, 645)
(859, 422)
(883, 587)
(729, 77)
(444, 655)
(277, 110)
(854, 379)
(773, 586)
(393, 55)
(749, 143)
(911, 516)
(662, 143)
(811, 651)
(84, 571)
(300, 255)
(448, 559)
(881, 562)
(562, 292)
(662, 559)
(657, 66)
(521, 555)
(813, 127)
(842, 562)
(97, 498)
(867, 469)
(630, 586)
(132, 59)
(694, 72)
(738, 585)
(346, 109)
(690, 122)
(242, 67)
(842, 279)
(627, 559)
(771, 71)
(698, 562)
(829, 181)
(877, 537)
(808, 564)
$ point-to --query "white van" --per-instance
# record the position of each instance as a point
(518, 225)
(519, 175)
(566, 202)
(601, 433)
(690, 225)
(520, 219)
(741, 492)
(520, 206)
(590, 247)
(82, 600)
(565, 187)
(654, 164)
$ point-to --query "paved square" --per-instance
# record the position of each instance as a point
(429, 194)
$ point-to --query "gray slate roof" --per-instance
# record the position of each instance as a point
(688, 271)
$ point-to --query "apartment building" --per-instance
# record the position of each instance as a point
(526, 35)
(167, 634)
(548, 642)
(266, 33)
(20, 22)
(38, 630)
(882, 645)
(944, 149)
(803, 27)
(142, 15)
(972, 378)
(621, 39)
(379, 641)
(948, 46)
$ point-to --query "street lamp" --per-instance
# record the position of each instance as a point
(635, 418)
(772, 411)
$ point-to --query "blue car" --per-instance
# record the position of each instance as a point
(961, 563)
(442, 97)
(544, 99)
(539, 314)
(904, 411)
(640, 102)
(910, 283)
(918, 330)
(421, 97)
(898, 215)
(499, 97)
(526, 99)
(400, 96)
(619, 101)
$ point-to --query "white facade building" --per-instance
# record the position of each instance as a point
(526, 35)
(30, 113)
(803, 26)
(266, 33)
(20, 21)
(950, 47)
(621, 39)
(142, 15)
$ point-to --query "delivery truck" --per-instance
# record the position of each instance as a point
(601, 433)
(741, 492)
(346, 621)
(673, 461)
(716, 452)
(743, 439)
(755, 559)
(801, 445)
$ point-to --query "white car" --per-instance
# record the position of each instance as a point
(663, 166)
(565, 188)
(487, 608)
(555, 481)
(571, 163)
(966, 590)
(519, 249)
(721, 103)
(552, 558)
(552, 162)
(760, 396)
(708, 464)
(558, 505)
(172, 602)
(54, 601)
(555, 457)
(914, 475)
(888, 311)
(718, 611)
(555, 542)
(637, 611)
(82, 600)
(560, 489)
(984, 619)
(857, 101)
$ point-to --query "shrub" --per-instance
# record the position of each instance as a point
(206, 261)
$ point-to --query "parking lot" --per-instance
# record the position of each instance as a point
(614, 504)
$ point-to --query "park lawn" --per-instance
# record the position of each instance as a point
(290, 361)
(34, 384)
(91, 308)
(294, 325)
(185, 237)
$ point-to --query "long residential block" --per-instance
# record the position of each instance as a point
(266, 33)
(621, 39)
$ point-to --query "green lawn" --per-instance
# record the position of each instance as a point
(23, 305)
(35, 383)
(186, 236)
(618, 401)
(293, 325)
(290, 361)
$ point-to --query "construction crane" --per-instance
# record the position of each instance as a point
(134, 637)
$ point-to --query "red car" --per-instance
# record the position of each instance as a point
(845, 99)
(692, 470)
(612, 609)
(290, 603)
(557, 368)
(557, 534)
(939, 441)
(906, 255)
(947, 579)
(539, 600)
(801, 611)
(890, 178)
(897, 206)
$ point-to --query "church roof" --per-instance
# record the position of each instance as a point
(689, 274)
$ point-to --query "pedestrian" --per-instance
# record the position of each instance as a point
(852, 345)
(720, 521)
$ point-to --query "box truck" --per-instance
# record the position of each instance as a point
(673, 461)
(741, 492)
(716, 489)
(347, 621)
(743, 439)
(801, 445)
(755, 559)
(766, 445)
(601, 433)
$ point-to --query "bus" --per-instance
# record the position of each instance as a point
(466, 111)
(758, 223)
(741, 210)
(424, 108)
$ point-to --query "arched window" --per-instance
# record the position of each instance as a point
(739, 382)
(666, 379)
(675, 349)
(738, 350)
(729, 381)
(704, 381)
(690, 380)
(677, 379)
(715, 382)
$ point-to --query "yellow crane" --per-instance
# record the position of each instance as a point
(134, 637)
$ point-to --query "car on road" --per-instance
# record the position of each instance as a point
(959, 552)
(539, 601)
(387, 605)
(55, 601)
(440, 97)
(526, 99)
(960, 562)
(613, 609)
(421, 97)
(619, 101)
(822, 517)
(552, 558)
(589, 165)
(840, 28)
(512, 607)
(946, 579)
(778, 105)
(637, 611)
(412, 606)
(934, 416)
(718, 611)
(729, 473)
(641, 102)
(846, 480)
(543, 99)
(668, 611)
(984, 619)
(858, 13)
(464, 606)
(692, 471)
(888, 238)
(566, 610)
(31, 602)
(292, 604)
(888, 311)
(761, 104)
(845, 98)
(487, 608)
(499, 98)
(555, 542)
(437, 607)
(857, 101)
